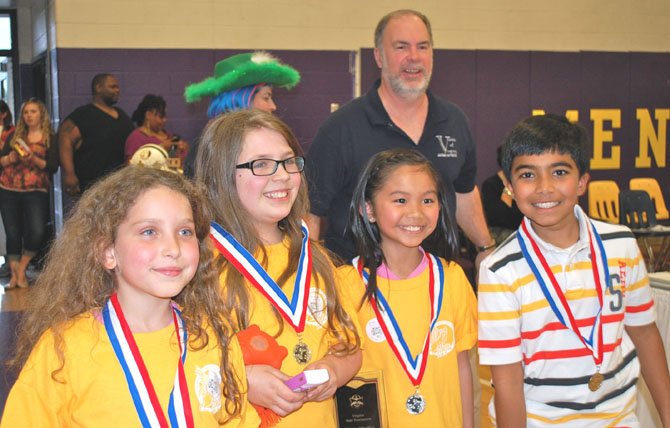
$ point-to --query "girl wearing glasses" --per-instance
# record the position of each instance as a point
(272, 274)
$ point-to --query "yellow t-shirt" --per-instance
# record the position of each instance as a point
(95, 393)
(455, 331)
(316, 334)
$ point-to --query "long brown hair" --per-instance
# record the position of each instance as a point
(74, 280)
(221, 144)
(45, 123)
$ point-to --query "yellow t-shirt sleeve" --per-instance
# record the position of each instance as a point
(36, 399)
(465, 306)
(248, 417)
(350, 290)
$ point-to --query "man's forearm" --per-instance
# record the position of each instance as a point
(470, 218)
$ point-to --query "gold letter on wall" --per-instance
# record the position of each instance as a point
(655, 140)
(601, 136)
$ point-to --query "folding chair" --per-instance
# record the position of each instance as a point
(638, 212)
(604, 200)
(636, 209)
(650, 185)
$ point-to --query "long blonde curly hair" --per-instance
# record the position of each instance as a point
(74, 280)
(220, 146)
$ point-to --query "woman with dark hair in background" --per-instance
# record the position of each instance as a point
(28, 160)
(6, 130)
(150, 117)
(7, 123)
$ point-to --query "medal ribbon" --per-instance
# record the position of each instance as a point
(555, 296)
(293, 311)
(139, 383)
(413, 366)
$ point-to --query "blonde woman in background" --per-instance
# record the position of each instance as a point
(28, 160)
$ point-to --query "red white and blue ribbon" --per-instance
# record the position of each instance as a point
(552, 290)
(293, 310)
(414, 366)
(139, 383)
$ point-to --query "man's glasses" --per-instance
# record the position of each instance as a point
(263, 167)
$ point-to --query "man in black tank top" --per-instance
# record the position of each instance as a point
(93, 136)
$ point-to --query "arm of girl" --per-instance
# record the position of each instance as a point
(10, 158)
(508, 396)
(52, 161)
(467, 397)
(36, 160)
(267, 389)
(340, 371)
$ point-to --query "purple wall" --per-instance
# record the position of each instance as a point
(325, 78)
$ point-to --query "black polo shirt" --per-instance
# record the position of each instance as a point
(362, 128)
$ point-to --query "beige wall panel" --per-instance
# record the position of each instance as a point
(571, 25)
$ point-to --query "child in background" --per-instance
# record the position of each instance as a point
(125, 326)
(272, 274)
(566, 317)
(415, 302)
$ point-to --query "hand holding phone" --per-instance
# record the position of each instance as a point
(307, 380)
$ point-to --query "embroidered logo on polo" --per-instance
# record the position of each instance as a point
(448, 145)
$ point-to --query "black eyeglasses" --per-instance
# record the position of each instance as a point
(263, 167)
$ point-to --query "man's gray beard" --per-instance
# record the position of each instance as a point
(399, 87)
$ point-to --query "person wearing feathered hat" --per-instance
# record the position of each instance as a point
(239, 79)
(240, 82)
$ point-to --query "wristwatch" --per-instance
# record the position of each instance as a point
(482, 248)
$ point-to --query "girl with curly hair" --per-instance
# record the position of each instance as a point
(125, 325)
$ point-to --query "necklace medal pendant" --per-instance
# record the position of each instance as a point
(301, 352)
(415, 403)
(595, 381)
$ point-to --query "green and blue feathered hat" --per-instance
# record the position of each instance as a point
(243, 70)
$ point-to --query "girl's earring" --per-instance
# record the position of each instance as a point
(370, 212)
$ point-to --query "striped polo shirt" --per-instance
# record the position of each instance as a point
(517, 323)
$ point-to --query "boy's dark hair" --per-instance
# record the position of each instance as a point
(443, 242)
(546, 133)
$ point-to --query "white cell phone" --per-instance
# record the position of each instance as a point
(307, 380)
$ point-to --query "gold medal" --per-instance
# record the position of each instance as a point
(301, 353)
(595, 381)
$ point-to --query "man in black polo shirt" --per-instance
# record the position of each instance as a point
(398, 111)
(93, 136)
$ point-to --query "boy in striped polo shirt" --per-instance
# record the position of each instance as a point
(566, 317)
